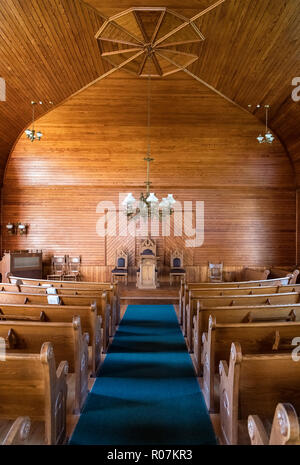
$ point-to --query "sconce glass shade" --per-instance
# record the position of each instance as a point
(129, 200)
(21, 226)
(9, 226)
(152, 198)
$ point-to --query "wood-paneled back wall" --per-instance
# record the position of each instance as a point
(205, 149)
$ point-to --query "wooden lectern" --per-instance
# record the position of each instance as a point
(147, 272)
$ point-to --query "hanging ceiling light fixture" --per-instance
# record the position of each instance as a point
(148, 205)
(31, 133)
(268, 138)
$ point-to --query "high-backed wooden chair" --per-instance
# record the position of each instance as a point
(121, 269)
(73, 265)
(58, 268)
(176, 264)
(215, 272)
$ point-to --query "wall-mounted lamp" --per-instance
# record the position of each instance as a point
(10, 228)
(16, 228)
(22, 228)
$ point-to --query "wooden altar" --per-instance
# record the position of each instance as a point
(147, 271)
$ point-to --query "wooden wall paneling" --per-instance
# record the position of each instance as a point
(204, 148)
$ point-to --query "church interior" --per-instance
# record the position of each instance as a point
(150, 245)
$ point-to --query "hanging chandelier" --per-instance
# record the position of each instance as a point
(148, 205)
(32, 134)
(268, 138)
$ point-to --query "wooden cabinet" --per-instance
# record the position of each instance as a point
(22, 264)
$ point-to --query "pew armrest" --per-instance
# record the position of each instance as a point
(285, 427)
(257, 432)
(229, 394)
(18, 433)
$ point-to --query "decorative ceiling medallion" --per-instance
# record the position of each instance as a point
(152, 42)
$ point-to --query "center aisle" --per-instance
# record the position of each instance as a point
(146, 391)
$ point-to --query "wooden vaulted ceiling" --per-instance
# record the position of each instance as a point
(251, 53)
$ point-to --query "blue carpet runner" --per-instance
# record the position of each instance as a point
(146, 391)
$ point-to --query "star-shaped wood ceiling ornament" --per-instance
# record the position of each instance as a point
(151, 41)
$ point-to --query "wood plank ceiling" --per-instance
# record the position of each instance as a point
(250, 54)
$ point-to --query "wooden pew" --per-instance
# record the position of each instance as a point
(111, 289)
(90, 321)
(238, 314)
(68, 344)
(103, 308)
(255, 338)
(185, 287)
(254, 383)
(36, 389)
(285, 429)
(204, 292)
(18, 433)
(279, 272)
(232, 300)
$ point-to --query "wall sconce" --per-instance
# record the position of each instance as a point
(22, 228)
(11, 228)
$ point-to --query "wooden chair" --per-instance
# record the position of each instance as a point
(121, 269)
(73, 265)
(176, 264)
(58, 268)
(215, 272)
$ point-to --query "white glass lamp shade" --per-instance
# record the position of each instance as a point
(269, 137)
(9, 226)
(129, 200)
(164, 203)
(39, 135)
(260, 139)
(171, 199)
(152, 198)
(22, 227)
(28, 132)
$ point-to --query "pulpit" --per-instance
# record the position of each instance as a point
(147, 271)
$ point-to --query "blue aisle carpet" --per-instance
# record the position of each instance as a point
(146, 391)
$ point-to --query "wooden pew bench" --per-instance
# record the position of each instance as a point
(36, 389)
(233, 300)
(90, 321)
(103, 309)
(17, 433)
(237, 315)
(255, 338)
(185, 288)
(223, 292)
(254, 384)
(285, 430)
(68, 344)
(75, 286)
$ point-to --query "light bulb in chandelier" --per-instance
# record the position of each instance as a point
(152, 198)
(269, 137)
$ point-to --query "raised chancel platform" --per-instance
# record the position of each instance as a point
(165, 294)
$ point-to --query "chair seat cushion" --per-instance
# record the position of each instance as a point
(119, 270)
(177, 270)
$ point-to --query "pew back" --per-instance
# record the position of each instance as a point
(43, 390)
(252, 383)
